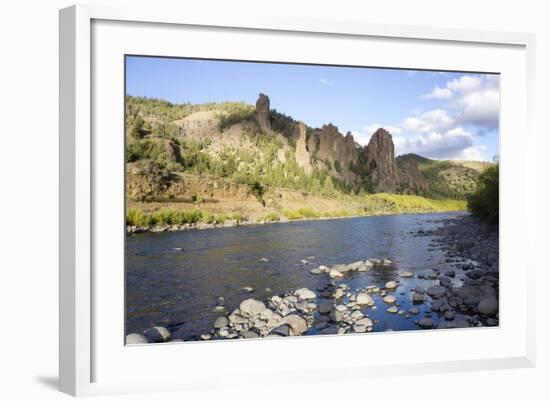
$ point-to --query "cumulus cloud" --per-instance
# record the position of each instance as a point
(476, 100)
(439, 93)
(455, 143)
(434, 120)
(470, 106)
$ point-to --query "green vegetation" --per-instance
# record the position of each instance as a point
(136, 217)
(483, 202)
(238, 115)
(384, 203)
(156, 174)
(447, 179)
(283, 124)
(273, 216)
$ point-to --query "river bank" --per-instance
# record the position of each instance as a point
(458, 288)
(139, 219)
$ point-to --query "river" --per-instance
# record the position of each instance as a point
(174, 278)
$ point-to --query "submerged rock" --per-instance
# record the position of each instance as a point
(389, 299)
(426, 323)
(364, 299)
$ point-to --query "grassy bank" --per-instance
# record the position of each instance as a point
(371, 205)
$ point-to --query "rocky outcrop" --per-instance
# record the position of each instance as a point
(303, 158)
(335, 152)
(262, 112)
(380, 154)
(414, 182)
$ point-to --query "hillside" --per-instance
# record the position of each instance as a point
(446, 178)
(234, 157)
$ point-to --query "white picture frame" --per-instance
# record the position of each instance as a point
(86, 352)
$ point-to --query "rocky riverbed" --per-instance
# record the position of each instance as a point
(462, 293)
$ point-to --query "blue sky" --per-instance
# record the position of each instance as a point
(435, 114)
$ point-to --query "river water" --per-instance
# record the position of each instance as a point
(178, 288)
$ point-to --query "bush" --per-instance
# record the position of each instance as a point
(258, 190)
(273, 216)
(156, 174)
(242, 115)
(135, 217)
(483, 202)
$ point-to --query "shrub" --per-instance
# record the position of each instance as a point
(258, 190)
(135, 217)
(483, 202)
(156, 174)
(137, 126)
(240, 115)
(273, 216)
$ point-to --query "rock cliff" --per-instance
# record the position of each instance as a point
(262, 112)
(303, 158)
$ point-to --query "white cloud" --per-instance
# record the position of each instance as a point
(439, 93)
(465, 84)
(476, 100)
(325, 81)
(434, 120)
(455, 143)
(480, 108)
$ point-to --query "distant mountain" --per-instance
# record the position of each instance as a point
(257, 146)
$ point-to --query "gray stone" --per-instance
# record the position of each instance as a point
(282, 330)
(251, 307)
(417, 298)
(488, 306)
(389, 299)
(426, 323)
(436, 291)
(305, 294)
(364, 299)
(251, 334)
(220, 322)
(157, 334)
(298, 324)
(325, 306)
(406, 274)
(391, 285)
(136, 338)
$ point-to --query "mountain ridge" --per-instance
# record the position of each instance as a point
(257, 144)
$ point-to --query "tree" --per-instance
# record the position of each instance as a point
(328, 187)
(483, 202)
(156, 174)
(137, 126)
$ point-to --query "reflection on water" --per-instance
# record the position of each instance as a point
(178, 288)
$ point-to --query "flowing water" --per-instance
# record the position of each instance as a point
(178, 288)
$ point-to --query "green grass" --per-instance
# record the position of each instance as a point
(135, 217)
(377, 204)
(302, 213)
(384, 203)
(273, 216)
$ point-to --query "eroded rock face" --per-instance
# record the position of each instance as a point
(380, 154)
(336, 151)
(262, 112)
(303, 158)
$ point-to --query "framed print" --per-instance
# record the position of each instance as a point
(286, 192)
